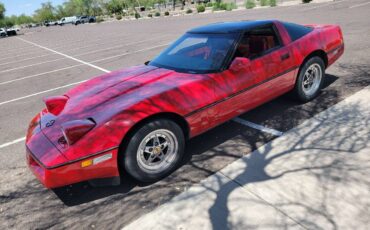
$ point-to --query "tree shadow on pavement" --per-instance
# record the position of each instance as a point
(319, 153)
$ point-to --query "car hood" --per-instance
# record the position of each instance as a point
(91, 99)
(87, 96)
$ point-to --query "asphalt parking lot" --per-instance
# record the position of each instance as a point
(49, 61)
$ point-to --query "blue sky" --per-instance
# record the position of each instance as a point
(18, 7)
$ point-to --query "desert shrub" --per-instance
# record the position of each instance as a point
(219, 6)
(150, 15)
(264, 2)
(249, 4)
(166, 13)
(306, 1)
(230, 6)
(137, 15)
(157, 14)
(189, 11)
(99, 19)
(209, 4)
(223, 6)
(201, 8)
(272, 2)
(118, 17)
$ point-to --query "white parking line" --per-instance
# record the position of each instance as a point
(42, 92)
(39, 74)
(258, 127)
(12, 142)
(73, 49)
(73, 66)
(65, 55)
(55, 47)
(79, 55)
(26, 59)
(128, 53)
(359, 5)
(35, 64)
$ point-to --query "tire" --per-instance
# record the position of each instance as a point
(147, 161)
(310, 79)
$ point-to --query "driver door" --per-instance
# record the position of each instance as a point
(254, 76)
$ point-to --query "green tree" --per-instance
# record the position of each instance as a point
(6, 22)
(2, 10)
(24, 19)
(96, 7)
(116, 6)
(84, 7)
(61, 12)
(46, 12)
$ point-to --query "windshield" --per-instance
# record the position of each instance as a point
(196, 53)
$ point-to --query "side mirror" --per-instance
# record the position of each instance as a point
(239, 63)
(146, 63)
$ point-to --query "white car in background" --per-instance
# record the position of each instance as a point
(2, 32)
(84, 19)
(67, 20)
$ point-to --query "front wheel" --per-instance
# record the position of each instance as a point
(154, 151)
(310, 79)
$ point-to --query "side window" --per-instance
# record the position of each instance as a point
(258, 42)
(296, 31)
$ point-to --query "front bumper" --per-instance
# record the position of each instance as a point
(73, 172)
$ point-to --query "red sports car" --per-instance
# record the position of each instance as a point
(137, 120)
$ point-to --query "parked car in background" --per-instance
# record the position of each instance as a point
(50, 23)
(11, 32)
(67, 20)
(84, 19)
(2, 32)
(33, 25)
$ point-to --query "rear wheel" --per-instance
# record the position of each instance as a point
(310, 79)
(154, 151)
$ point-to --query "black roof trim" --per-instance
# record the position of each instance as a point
(229, 27)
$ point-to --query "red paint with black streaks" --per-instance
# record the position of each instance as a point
(115, 102)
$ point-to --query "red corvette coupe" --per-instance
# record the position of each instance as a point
(137, 120)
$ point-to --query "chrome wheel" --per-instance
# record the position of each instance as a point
(157, 151)
(312, 79)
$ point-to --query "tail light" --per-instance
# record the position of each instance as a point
(55, 104)
(74, 130)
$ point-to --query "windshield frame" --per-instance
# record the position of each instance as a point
(222, 67)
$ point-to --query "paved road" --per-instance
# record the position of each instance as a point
(312, 177)
(29, 72)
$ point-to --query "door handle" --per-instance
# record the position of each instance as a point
(285, 56)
